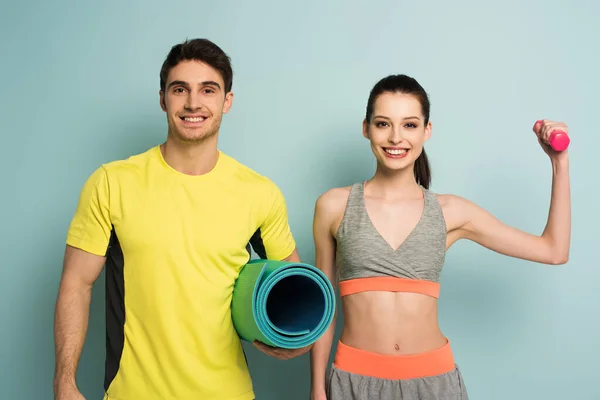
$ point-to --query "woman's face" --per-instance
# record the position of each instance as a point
(397, 130)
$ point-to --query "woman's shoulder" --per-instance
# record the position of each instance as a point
(330, 208)
(455, 208)
(332, 203)
(334, 199)
(446, 199)
(451, 201)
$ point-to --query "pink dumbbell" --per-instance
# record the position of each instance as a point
(558, 140)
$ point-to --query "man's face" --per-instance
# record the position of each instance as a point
(194, 101)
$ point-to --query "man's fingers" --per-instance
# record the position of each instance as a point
(282, 354)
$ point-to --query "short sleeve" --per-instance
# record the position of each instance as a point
(275, 232)
(91, 226)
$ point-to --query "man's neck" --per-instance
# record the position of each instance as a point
(191, 159)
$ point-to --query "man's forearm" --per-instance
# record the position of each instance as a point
(70, 328)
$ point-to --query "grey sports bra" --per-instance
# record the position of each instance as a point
(365, 261)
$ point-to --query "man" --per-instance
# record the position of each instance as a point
(173, 226)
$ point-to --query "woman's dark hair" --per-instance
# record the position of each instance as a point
(407, 85)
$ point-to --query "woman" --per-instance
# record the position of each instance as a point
(384, 241)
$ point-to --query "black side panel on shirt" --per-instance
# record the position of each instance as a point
(257, 244)
(115, 309)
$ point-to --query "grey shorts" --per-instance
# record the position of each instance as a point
(359, 375)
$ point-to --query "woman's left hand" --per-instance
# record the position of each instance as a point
(543, 130)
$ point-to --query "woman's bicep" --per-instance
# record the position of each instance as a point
(482, 227)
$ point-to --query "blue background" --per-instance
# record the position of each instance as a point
(80, 87)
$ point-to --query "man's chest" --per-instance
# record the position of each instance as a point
(207, 223)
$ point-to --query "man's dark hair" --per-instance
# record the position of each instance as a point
(202, 50)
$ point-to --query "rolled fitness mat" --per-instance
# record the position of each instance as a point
(282, 304)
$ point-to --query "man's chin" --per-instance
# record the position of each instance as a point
(192, 137)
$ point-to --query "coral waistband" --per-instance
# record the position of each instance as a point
(383, 366)
(389, 284)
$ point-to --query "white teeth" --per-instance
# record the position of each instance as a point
(199, 119)
(395, 152)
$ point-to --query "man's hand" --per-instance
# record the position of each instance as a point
(282, 354)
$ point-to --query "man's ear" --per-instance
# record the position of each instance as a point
(163, 104)
(228, 102)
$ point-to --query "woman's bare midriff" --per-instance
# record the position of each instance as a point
(391, 323)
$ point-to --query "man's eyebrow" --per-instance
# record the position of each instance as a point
(211, 83)
(178, 83)
(185, 84)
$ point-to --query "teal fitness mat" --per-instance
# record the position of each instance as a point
(282, 304)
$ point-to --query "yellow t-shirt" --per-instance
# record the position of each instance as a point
(175, 244)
